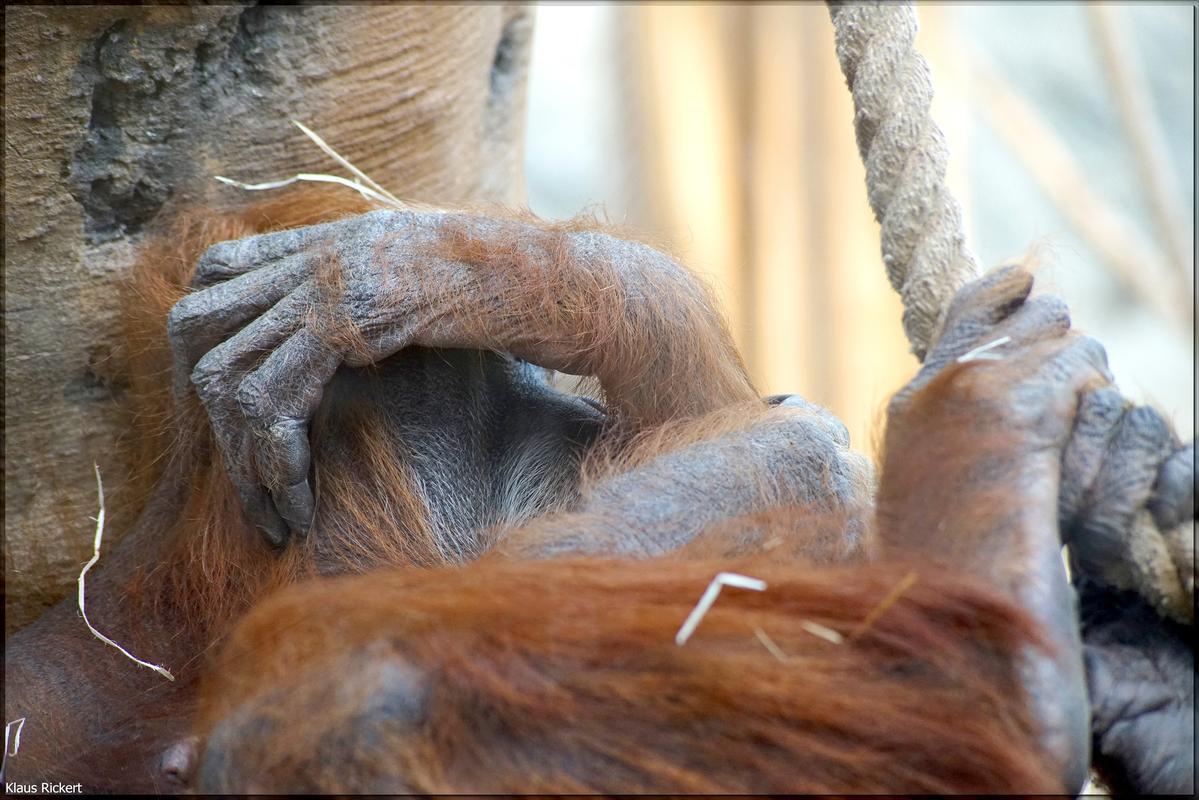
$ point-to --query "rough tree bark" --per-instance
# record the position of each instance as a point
(118, 116)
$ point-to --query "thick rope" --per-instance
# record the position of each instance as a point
(904, 151)
(924, 251)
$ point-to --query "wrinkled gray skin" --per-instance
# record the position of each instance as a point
(1118, 459)
(993, 324)
(245, 341)
(256, 292)
(1141, 677)
(1140, 666)
(796, 455)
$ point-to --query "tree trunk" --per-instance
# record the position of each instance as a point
(119, 116)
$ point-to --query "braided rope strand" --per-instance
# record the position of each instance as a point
(923, 243)
(925, 255)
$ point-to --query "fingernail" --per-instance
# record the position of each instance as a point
(258, 511)
(295, 505)
(275, 532)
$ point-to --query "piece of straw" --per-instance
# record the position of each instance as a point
(709, 597)
(96, 557)
(365, 191)
(5, 754)
(980, 353)
(769, 644)
(372, 191)
(345, 162)
(16, 742)
(821, 632)
(904, 584)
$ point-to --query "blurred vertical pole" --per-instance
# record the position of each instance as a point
(781, 212)
(937, 42)
(748, 161)
(860, 335)
(693, 171)
(743, 151)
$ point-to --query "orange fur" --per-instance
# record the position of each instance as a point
(214, 563)
(563, 676)
(628, 342)
(566, 678)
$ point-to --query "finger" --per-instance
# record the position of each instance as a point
(827, 419)
(1099, 414)
(977, 308)
(1044, 380)
(237, 354)
(217, 377)
(259, 508)
(1078, 365)
(972, 319)
(992, 297)
(1122, 487)
(278, 400)
(1042, 317)
(201, 320)
(1173, 501)
(227, 260)
(235, 455)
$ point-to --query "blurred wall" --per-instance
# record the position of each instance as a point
(726, 131)
(1053, 163)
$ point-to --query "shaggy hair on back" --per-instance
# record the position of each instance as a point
(565, 677)
(550, 675)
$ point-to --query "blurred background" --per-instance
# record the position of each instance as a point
(725, 132)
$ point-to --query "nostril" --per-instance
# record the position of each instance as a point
(178, 761)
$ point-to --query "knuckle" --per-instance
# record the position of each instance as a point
(284, 428)
(1093, 351)
(966, 296)
(1052, 309)
(228, 259)
(218, 260)
(1102, 407)
(1148, 425)
(182, 317)
(231, 258)
(957, 339)
(209, 376)
(812, 417)
(1173, 500)
(285, 450)
(206, 389)
(253, 399)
